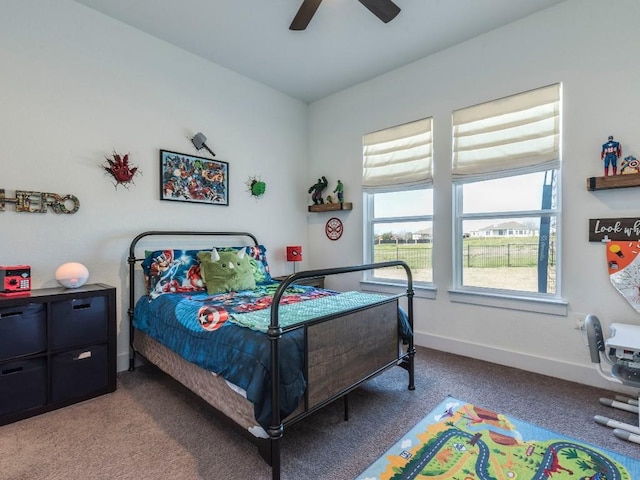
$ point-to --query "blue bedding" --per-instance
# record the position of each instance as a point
(206, 330)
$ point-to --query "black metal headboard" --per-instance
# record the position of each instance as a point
(132, 260)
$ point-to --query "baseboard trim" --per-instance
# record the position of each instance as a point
(583, 374)
(123, 362)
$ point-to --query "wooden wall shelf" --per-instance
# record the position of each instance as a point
(330, 207)
(613, 181)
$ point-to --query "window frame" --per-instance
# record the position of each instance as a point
(395, 159)
(550, 303)
(370, 221)
(501, 138)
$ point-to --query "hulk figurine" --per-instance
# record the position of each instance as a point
(340, 191)
(317, 190)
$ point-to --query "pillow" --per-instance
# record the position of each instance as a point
(258, 259)
(226, 271)
(169, 271)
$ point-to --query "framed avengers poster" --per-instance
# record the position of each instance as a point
(187, 178)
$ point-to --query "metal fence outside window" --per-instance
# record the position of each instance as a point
(417, 258)
(509, 255)
(477, 256)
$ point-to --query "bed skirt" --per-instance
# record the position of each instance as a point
(212, 388)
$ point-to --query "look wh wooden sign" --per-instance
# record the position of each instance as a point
(606, 229)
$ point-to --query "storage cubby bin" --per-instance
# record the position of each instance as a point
(24, 385)
(76, 373)
(78, 321)
(23, 330)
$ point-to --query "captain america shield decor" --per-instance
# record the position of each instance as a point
(212, 317)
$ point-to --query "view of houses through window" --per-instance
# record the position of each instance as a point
(498, 252)
(509, 237)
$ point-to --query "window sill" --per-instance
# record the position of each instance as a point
(420, 291)
(550, 306)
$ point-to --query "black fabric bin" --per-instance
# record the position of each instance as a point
(23, 330)
(79, 372)
(80, 321)
(23, 385)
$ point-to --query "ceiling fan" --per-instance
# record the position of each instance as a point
(385, 10)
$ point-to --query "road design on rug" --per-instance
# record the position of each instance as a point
(462, 441)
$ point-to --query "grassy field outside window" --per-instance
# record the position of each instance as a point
(508, 263)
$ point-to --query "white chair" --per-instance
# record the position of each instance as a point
(621, 352)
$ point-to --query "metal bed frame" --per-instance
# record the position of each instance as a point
(270, 449)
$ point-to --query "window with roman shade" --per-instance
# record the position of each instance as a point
(399, 156)
(506, 169)
(398, 200)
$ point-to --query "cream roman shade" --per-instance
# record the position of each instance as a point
(515, 134)
(398, 156)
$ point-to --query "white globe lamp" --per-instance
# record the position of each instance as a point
(72, 275)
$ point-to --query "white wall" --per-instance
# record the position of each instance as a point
(589, 46)
(77, 85)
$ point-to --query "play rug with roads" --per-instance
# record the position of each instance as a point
(463, 441)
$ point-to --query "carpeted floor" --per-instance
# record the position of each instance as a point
(153, 428)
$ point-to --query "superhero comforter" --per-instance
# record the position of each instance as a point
(224, 333)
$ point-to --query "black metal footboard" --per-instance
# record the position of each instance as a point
(373, 330)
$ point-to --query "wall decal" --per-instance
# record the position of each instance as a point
(40, 202)
(333, 228)
(256, 187)
(120, 170)
(623, 264)
(199, 141)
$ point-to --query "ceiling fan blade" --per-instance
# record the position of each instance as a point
(305, 14)
(385, 10)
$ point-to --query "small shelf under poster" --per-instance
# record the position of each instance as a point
(330, 207)
(613, 181)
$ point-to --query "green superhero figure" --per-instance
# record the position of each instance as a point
(317, 190)
(340, 191)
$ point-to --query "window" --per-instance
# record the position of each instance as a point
(506, 161)
(396, 178)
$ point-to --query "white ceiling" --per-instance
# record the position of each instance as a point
(343, 45)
